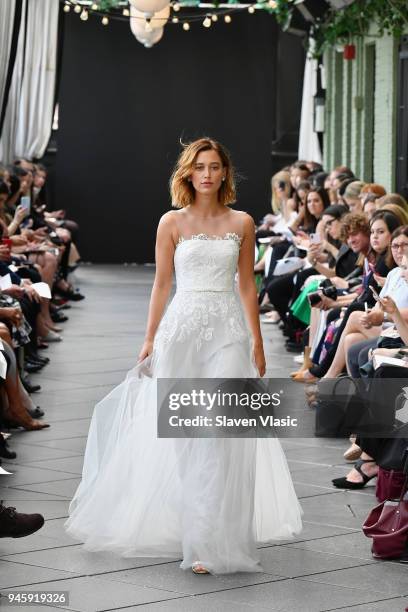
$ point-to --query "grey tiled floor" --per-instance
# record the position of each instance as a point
(328, 567)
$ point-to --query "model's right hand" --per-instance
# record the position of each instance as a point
(145, 351)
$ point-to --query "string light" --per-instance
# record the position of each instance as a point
(94, 6)
(227, 19)
(126, 12)
(67, 8)
(186, 26)
(105, 21)
(175, 20)
(77, 8)
(207, 22)
(84, 15)
(214, 17)
(176, 7)
(272, 3)
(251, 9)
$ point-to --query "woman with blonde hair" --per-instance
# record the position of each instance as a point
(209, 500)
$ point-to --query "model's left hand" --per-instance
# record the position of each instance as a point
(259, 358)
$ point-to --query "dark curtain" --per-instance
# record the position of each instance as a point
(124, 108)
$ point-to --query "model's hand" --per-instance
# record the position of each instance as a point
(145, 351)
(259, 358)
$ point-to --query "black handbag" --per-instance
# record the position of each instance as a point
(340, 406)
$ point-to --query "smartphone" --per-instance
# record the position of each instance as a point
(375, 294)
(25, 203)
(315, 239)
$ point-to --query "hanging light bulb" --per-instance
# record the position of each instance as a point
(214, 17)
(67, 8)
(272, 4)
(251, 9)
(227, 19)
(125, 12)
(186, 26)
(77, 8)
(175, 20)
(176, 7)
(94, 6)
(84, 15)
(105, 21)
(207, 22)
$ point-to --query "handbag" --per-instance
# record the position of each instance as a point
(390, 483)
(387, 524)
(340, 406)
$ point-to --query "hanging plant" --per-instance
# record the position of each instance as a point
(354, 21)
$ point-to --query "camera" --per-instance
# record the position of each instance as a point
(327, 289)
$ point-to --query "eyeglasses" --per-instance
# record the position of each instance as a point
(402, 246)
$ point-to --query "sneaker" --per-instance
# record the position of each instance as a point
(14, 524)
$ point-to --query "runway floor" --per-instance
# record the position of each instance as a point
(328, 567)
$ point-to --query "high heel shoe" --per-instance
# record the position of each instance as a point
(198, 568)
(353, 452)
(19, 417)
(305, 377)
(307, 363)
(343, 483)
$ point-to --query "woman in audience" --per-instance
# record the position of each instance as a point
(366, 325)
(280, 288)
(352, 196)
(373, 449)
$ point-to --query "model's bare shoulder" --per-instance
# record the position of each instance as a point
(167, 227)
(248, 224)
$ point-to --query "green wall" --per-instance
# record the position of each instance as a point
(361, 100)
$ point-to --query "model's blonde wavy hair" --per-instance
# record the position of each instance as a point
(181, 189)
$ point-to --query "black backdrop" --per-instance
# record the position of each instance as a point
(123, 109)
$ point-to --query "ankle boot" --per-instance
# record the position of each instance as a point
(307, 362)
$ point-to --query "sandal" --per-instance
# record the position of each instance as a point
(197, 568)
(343, 483)
(353, 452)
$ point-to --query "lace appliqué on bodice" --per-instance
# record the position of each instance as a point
(202, 236)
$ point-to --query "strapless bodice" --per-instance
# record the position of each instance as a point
(207, 263)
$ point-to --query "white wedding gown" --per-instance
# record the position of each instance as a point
(207, 500)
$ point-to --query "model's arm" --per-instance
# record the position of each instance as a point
(162, 281)
(247, 291)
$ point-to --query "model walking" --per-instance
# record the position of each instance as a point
(207, 501)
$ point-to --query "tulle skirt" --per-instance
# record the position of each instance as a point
(211, 500)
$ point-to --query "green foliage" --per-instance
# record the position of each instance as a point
(336, 26)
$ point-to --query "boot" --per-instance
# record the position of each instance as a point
(17, 525)
(307, 362)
